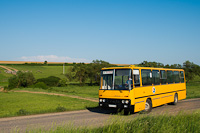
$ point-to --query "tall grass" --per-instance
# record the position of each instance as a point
(14, 104)
(181, 123)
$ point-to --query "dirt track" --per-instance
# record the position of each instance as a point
(9, 69)
(56, 94)
(89, 117)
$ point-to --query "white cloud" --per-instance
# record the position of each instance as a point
(53, 58)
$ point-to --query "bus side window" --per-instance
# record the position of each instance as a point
(181, 77)
(146, 77)
(136, 77)
(170, 78)
(156, 77)
(163, 77)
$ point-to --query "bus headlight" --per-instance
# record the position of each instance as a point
(104, 100)
(126, 101)
(100, 100)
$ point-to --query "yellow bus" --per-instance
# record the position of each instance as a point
(140, 88)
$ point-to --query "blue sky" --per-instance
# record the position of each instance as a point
(117, 31)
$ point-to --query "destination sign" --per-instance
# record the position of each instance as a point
(107, 72)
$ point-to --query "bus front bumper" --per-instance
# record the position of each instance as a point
(115, 103)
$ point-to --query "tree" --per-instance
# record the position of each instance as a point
(21, 79)
(94, 70)
(45, 62)
(191, 70)
(151, 64)
(81, 72)
(78, 73)
(50, 81)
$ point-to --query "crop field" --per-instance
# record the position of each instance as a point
(15, 103)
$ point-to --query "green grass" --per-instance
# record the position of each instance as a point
(82, 91)
(181, 123)
(38, 72)
(4, 77)
(13, 102)
(43, 71)
(193, 88)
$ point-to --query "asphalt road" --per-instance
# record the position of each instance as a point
(90, 117)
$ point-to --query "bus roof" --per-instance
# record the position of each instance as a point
(135, 67)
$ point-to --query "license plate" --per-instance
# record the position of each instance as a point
(112, 106)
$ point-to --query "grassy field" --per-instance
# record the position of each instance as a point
(38, 72)
(14, 104)
(4, 77)
(181, 123)
(82, 91)
(193, 88)
(43, 71)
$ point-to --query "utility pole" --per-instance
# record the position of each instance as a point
(64, 68)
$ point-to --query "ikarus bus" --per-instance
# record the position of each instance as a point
(140, 88)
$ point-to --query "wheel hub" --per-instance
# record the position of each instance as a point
(147, 106)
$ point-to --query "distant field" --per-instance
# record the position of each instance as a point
(23, 62)
(44, 71)
(38, 72)
(13, 102)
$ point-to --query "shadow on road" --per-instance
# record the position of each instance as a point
(103, 111)
(117, 111)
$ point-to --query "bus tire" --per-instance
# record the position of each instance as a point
(148, 106)
(175, 99)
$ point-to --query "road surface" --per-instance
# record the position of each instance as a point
(90, 117)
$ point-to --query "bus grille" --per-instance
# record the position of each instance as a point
(114, 101)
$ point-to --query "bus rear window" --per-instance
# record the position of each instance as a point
(182, 76)
(176, 77)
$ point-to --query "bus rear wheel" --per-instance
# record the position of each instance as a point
(175, 99)
(148, 106)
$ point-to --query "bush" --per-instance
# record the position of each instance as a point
(41, 85)
(21, 79)
(60, 109)
(13, 82)
(62, 83)
(50, 81)
(22, 112)
(5, 88)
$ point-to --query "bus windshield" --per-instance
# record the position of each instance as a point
(117, 79)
